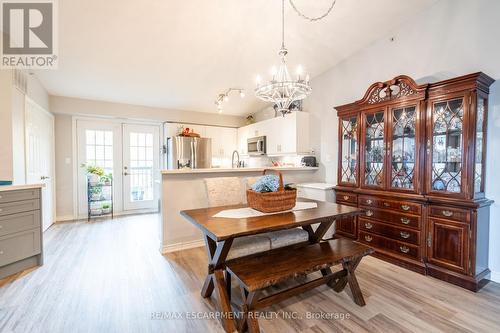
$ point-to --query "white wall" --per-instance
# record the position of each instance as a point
(12, 125)
(65, 108)
(452, 38)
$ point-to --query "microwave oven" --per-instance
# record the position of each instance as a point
(256, 146)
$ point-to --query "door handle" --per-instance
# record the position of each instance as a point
(125, 173)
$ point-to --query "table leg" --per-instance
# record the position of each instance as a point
(208, 285)
(217, 254)
(316, 236)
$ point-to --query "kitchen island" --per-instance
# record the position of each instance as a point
(183, 189)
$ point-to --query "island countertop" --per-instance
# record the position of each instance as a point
(224, 170)
(20, 187)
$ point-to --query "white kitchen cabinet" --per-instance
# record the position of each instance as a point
(223, 140)
(286, 135)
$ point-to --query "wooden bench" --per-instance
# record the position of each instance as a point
(263, 270)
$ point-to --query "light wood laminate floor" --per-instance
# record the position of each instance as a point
(108, 276)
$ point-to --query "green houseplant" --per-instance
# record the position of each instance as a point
(107, 179)
(106, 208)
(94, 173)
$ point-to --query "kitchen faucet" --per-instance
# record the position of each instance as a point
(238, 163)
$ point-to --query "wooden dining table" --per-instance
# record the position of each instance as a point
(219, 234)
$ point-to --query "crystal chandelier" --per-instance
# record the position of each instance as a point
(283, 90)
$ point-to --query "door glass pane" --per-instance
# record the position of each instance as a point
(374, 149)
(349, 150)
(99, 152)
(447, 146)
(403, 148)
(478, 166)
(141, 167)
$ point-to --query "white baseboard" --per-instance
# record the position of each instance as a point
(65, 218)
(181, 246)
(495, 276)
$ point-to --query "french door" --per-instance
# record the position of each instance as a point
(130, 153)
(39, 141)
(140, 166)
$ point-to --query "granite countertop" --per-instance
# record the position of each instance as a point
(4, 188)
(222, 170)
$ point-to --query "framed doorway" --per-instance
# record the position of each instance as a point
(130, 153)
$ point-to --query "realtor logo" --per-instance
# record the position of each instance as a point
(29, 34)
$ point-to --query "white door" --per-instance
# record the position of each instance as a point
(99, 144)
(141, 164)
(39, 139)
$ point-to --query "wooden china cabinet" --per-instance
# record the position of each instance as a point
(413, 157)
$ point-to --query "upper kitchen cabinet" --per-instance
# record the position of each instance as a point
(284, 135)
(224, 142)
(456, 132)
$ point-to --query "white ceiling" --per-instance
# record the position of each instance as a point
(181, 54)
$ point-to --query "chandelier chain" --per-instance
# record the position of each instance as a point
(312, 19)
(282, 24)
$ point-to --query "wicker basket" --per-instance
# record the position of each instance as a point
(271, 202)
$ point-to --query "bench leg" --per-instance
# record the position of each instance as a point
(357, 295)
(342, 282)
(249, 320)
(350, 278)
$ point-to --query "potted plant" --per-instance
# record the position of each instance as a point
(96, 211)
(95, 193)
(94, 173)
(107, 179)
(106, 208)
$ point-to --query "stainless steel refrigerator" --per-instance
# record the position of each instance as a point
(187, 152)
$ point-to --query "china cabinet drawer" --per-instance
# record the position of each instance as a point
(10, 196)
(346, 198)
(19, 222)
(404, 220)
(402, 206)
(19, 246)
(383, 243)
(393, 232)
(19, 207)
(448, 213)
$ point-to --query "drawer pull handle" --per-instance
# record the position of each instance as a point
(368, 225)
(369, 202)
(404, 249)
(447, 213)
(346, 197)
(404, 220)
(368, 238)
(369, 213)
(386, 204)
(405, 234)
(405, 207)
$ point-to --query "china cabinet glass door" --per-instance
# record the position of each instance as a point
(403, 148)
(349, 150)
(374, 149)
(480, 145)
(447, 146)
